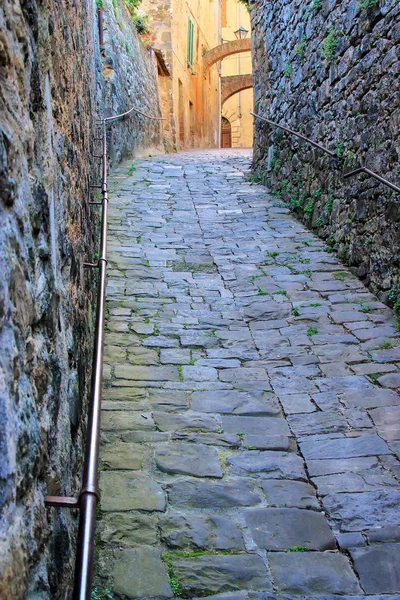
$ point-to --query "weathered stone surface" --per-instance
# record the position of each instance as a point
(371, 398)
(266, 442)
(313, 573)
(256, 425)
(221, 573)
(281, 528)
(200, 532)
(317, 422)
(121, 420)
(387, 421)
(365, 445)
(126, 371)
(193, 416)
(188, 459)
(235, 402)
(128, 529)
(290, 493)
(122, 455)
(377, 568)
(273, 465)
(354, 482)
(140, 573)
(185, 421)
(367, 510)
(342, 465)
(130, 491)
(202, 494)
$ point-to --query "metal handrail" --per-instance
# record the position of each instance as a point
(360, 169)
(131, 110)
(88, 497)
(299, 135)
(374, 175)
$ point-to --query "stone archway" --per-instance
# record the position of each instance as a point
(223, 50)
(233, 84)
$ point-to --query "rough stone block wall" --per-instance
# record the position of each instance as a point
(51, 78)
(129, 79)
(330, 69)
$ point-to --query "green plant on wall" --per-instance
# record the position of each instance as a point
(141, 23)
(315, 5)
(132, 4)
(309, 209)
(300, 49)
(287, 71)
(367, 4)
(330, 44)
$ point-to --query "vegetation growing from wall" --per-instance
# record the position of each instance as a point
(327, 74)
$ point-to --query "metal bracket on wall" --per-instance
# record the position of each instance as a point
(61, 501)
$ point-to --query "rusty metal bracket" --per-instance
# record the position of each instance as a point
(91, 265)
(61, 501)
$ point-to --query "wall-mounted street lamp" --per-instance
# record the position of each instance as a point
(241, 33)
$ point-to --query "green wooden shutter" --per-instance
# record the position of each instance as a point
(190, 48)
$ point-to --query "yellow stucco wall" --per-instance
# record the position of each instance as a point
(193, 118)
(237, 108)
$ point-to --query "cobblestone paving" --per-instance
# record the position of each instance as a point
(251, 422)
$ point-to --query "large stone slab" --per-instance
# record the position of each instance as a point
(122, 455)
(236, 403)
(365, 510)
(342, 447)
(371, 398)
(200, 532)
(206, 494)
(313, 573)
(197, 460)
(317, 422)
(128, 529)
(216, 573)
(290, 493)
(256, 425)
(272, 465)
(367, 481)
(387, 421)
(342, 465)
(126, 371)
(282, 528)
(122, 491)
(122, 420)
(186, 421)
(140, 573)
(378, 568)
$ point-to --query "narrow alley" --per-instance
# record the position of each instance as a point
(250, 427)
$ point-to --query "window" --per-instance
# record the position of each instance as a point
(190, 46)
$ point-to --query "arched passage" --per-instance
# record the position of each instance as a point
(226, 133)
(233, 84)
(223, 50)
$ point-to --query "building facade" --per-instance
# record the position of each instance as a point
(184, 31)
(237, 123)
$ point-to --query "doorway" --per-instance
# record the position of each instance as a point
(226, 133)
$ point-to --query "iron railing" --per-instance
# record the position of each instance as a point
(88, 497)
(361, 169)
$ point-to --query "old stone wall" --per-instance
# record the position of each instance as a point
(330, 69)
(128, 79)
(52, 92)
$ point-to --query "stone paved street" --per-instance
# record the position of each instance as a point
(251, 422)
